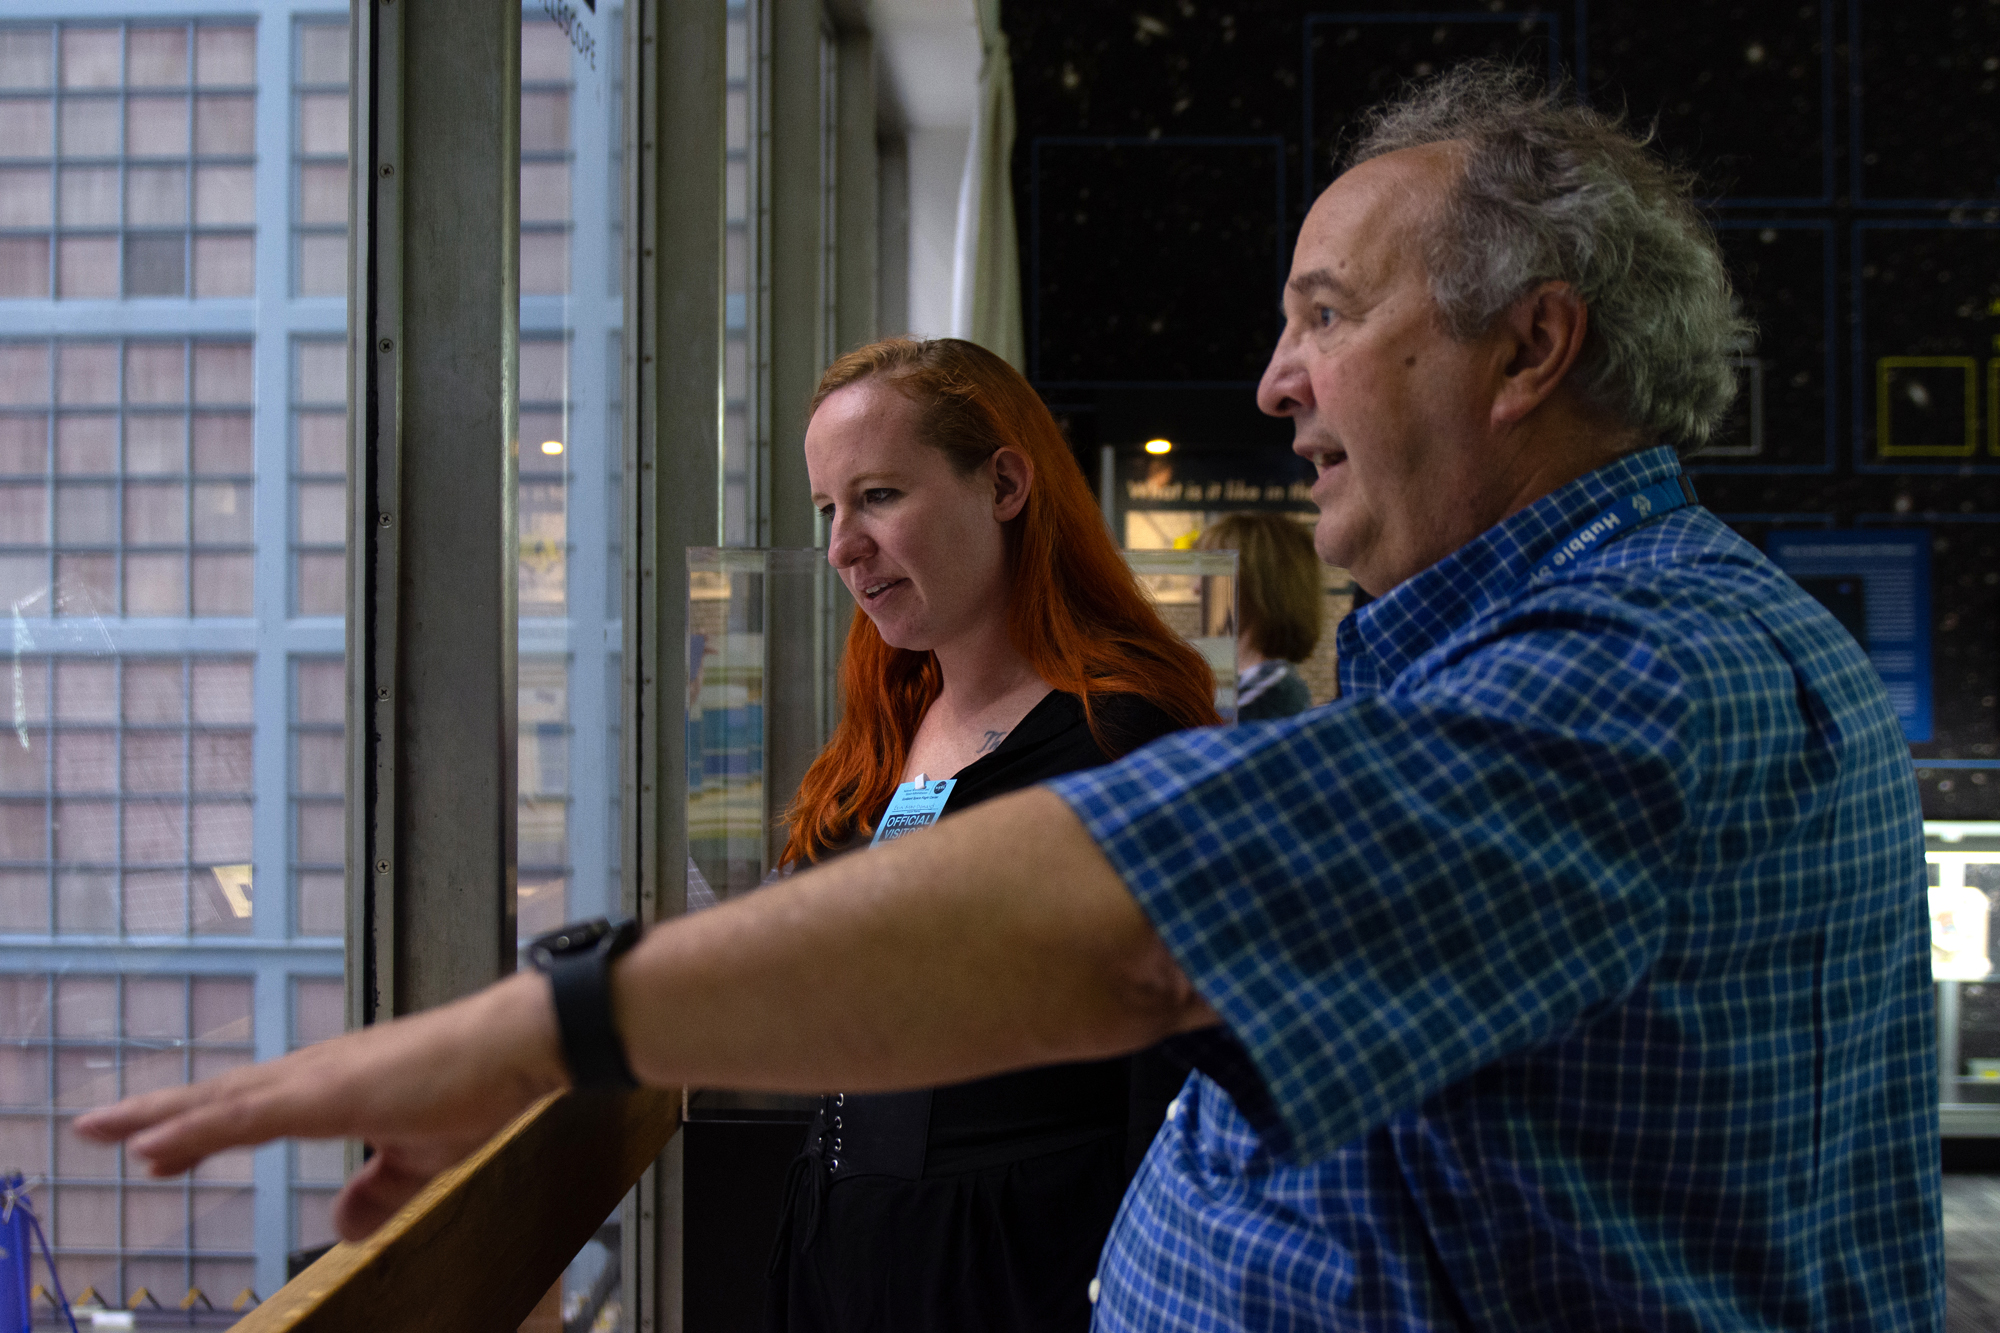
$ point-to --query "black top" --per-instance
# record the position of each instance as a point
(981, 1205)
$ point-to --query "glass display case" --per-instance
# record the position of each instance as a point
(1964, 878)
(763, 635)
(1195, 593)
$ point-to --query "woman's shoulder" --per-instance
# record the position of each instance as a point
(1128, 721)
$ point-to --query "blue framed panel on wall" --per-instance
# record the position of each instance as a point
(1926, 347)
(1878, 585)
(1964, 571)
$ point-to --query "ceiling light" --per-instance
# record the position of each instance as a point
(1159, 446)
(551, 447)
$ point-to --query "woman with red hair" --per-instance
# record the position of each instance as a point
(999, 640)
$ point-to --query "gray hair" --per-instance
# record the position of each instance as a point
(1563, 193)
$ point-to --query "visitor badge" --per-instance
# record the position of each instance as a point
(916, 804)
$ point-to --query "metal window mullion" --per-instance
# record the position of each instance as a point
(428, 525)
(757, 385)
(374, 287)
(829, 196)
(673, 418)
(793, 285)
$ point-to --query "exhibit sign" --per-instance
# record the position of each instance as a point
(1878, 585)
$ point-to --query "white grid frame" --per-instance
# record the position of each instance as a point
(117, 221)
(274, 957)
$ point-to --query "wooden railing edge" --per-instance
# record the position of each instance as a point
(481, 1243)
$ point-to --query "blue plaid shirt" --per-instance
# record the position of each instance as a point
(1574, 965)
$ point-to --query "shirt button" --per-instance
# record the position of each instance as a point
(833, 1164)
(840, 1099)
(1174, 1109)
(836, 1122)
(1095, 1287)
(836, 1145)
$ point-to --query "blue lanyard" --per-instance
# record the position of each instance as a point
(1663, 497)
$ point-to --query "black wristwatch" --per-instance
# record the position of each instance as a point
(577, 961)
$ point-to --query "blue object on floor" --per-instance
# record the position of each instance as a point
(19, 1230)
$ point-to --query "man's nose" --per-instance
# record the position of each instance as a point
(1285, 390)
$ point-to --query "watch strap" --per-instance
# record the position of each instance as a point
(581, 984)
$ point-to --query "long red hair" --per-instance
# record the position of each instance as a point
(1074, 609)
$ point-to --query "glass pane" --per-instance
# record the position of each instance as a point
(570, 318)
(100, 229)
(571, 315)
(160, 798)
(319, 148)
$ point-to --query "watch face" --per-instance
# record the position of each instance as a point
(576, 937)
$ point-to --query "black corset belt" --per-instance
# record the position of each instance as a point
(871, 1134)
(855, 1134)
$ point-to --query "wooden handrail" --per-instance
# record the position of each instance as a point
(478, 1247)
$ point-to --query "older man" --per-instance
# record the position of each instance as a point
(1571, 971)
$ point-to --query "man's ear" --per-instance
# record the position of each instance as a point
(1013, 476)
(1541, 335)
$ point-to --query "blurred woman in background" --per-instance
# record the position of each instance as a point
(1278, 609)
(999, 641)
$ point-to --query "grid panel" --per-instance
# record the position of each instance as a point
(546, 156)
(543, 496)
(125, 797)
(613, 780)
(614, 201)
(542, 839)
(569, 591)
(319, 158)
(319, 476)
(127, 159)
(614, 478)
(317, 1166)
(319, 812)
(70, 1042)
(126, 477)
(130, 447)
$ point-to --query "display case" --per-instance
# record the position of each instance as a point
(1964, 865)
(1195, 593)
(764, 627)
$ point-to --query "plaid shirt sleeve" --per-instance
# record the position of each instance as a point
(1386, 894)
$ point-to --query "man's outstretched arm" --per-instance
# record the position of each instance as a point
(998, 940)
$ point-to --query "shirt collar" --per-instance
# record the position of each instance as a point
(1386, 635)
